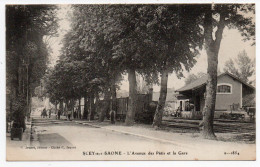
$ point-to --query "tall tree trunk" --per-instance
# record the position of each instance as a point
(9, 117)
(157, 121)
(212, 49)
(88, 107)
(20, 77)
(28, 97)
(97, 103)
(92, 107)
(66, 105)
(23, 81)
(79, 109)
(66, 108)
(105, 107)
(85, 112)
(56, 107)
(130, 114)
(61, 107)
(97, 99)
(30, 105)
(16, 85)
(113, 101)
(72, 105)
(113, 95)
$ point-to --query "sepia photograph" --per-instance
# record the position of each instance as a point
(130, 82)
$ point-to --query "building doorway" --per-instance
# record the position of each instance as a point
(197, 103)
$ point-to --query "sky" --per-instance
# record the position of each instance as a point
(231, 44)
(63, 14)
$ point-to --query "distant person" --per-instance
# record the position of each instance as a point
(192, 107)
(178, 112)
(44, 113)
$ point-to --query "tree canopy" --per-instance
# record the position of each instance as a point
(193, 77)
(242, 66)
(26, 52)
(26, 25)
(106, 41)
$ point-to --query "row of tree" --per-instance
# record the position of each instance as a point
(26, 54)
(106, 41)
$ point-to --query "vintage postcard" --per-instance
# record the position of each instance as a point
(130, 82)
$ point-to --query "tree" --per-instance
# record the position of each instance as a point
(190, 79)
(86, 68)
(153, 34)
(98, 48)
(220, 16)
(64, 83)
(126, 27)
(193, 77)
(27, 53)
(174, 37)
(245, 69)
(103, 34)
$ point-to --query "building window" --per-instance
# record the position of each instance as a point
(224, 89)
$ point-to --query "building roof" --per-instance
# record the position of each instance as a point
(195, 84)
(203, 80)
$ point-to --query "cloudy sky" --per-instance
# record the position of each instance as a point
(231, 45)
